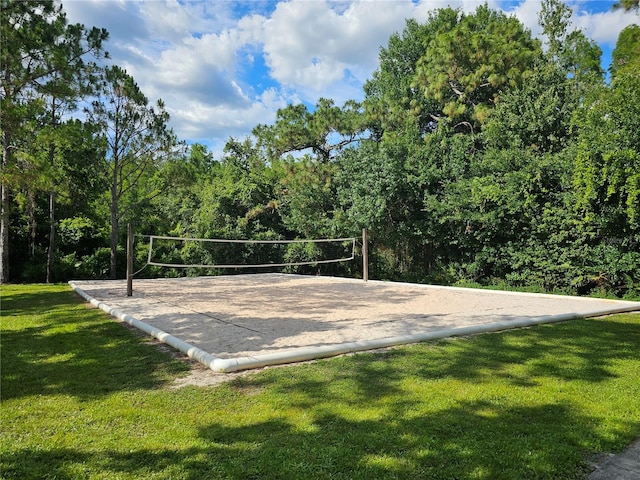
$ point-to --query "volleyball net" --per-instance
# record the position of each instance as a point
(213, 253)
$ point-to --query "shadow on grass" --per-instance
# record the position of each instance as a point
(61, 347)
(350, 417)
(469, 440)
(40, 297)
(584, 350)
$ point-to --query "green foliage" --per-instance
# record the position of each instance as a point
(607, 175)
(536, 115)
(474, 157)
(392, 105)
(466, 67)
(571, 51)
(307, 202)
(607, 184)
(554, 18)
(137, 141)
(44, 73)
(237, 199)
(327, 129)
(626, 55)
(627, 4)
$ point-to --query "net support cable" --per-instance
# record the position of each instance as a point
(259, 265)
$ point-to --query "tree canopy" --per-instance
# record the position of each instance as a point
(468, 63)
(626, 55)
(44, 65)
(479, 155)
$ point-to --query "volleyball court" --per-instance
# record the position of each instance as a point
(235, 322)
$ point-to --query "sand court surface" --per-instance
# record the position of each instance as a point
(236, 322)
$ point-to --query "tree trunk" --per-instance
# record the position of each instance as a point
(4, 236)
(33, 224)
(114, 227)
(51, 253)
(4, 215)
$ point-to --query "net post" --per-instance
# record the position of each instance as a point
(365, 255)
(129, 260)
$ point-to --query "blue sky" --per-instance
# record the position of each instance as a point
(222, 67)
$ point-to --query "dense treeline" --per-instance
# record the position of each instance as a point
(479, 154)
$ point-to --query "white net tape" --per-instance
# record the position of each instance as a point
(150, 260)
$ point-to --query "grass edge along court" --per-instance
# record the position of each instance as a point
(83, 397)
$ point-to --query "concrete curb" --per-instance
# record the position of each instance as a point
(623, 466)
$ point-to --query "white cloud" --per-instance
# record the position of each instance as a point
(527, 12)
(167, 20)
(321, 47)
(603, 27)
(216, 49)
(224, 67)
(606, 26)
(198, 66)
(214, 124)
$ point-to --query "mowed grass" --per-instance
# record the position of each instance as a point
(84, 397)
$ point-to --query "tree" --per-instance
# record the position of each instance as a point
(606, 183)
(435, 89)
(554, 18)
(571, 50)
(40, 52)
(324, 131)
(393, 105)
(137, 139)
(174, 212)
(61, 162)
(626, 55)
(60, 94)
(375, 193)
(78, 184)
(627, 4)
(536, 116)
(607, 172)
(467, 67)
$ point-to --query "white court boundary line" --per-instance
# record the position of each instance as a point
(228, 365)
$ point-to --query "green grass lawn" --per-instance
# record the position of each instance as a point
(84, 397)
